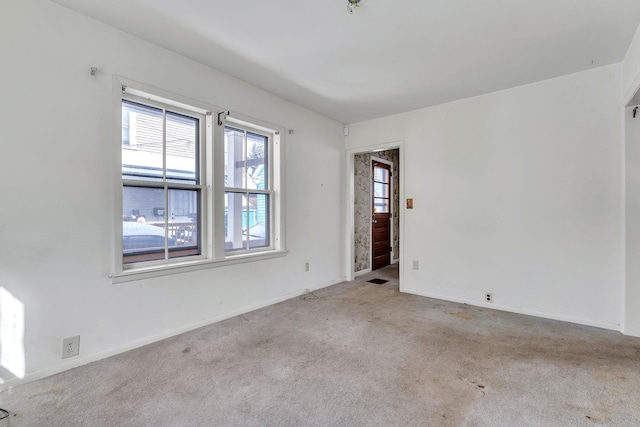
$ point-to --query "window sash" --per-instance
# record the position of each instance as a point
(241, 235)
(171, 186)
(267, 155)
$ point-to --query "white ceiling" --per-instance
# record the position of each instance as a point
(389, 56)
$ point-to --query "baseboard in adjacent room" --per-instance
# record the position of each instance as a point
(361, 272)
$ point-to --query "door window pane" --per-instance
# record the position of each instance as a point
(380, 190)
(380, 174)
(381, 205)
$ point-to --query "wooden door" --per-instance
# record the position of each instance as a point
(380, 215)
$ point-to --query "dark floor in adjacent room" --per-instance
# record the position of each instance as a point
(353, 354)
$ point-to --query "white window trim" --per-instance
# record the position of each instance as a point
(213, 249)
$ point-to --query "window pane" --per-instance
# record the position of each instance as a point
(236, 221)
(143, 236)
(257, 232)
(380, 174)
(182, 148)
(183, 223)
(380, 190)
(257, 161)
(142, 204)
(234, 164)
(381, 205)
(142, 141)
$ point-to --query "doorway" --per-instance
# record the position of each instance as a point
(361, 205)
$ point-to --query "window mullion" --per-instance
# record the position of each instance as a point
(252, 190)
(245, 153)
(182, 186)
(141, 183)
(166, 187)
(217, 158)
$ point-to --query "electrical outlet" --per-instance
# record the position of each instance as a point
(416, 265)
(70, 347)
(306, 266)
(488, 297)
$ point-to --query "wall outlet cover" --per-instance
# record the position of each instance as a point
(71, 346)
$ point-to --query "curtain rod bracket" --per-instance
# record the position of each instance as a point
(635, 110)
(225, 113)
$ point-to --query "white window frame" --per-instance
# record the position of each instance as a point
(212, 184)
(167, 185)
(273, 138)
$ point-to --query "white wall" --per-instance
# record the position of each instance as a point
(518, 193)
(632, 158)
(57, 166)
(631, 67)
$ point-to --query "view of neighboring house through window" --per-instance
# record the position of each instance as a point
(195, 190)
(162, 195)
(248, 190)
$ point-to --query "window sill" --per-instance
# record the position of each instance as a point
(187, 266)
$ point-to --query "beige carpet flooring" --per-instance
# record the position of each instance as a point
(354, 354)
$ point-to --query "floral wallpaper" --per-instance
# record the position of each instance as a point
(362, 196)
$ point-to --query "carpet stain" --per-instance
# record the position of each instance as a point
(119, 387)
(54, 391)
(463, 315)
(186, 350)
(479, 386)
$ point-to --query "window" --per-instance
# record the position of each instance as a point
(162, 191)
(247, 189)
(195, 190)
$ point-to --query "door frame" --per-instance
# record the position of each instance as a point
(390, 164)
(350, 210)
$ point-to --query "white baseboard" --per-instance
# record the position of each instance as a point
(83, 360)
(630, 332)
(518, 310)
